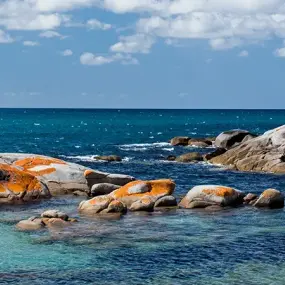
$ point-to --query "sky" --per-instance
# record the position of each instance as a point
(142, 54)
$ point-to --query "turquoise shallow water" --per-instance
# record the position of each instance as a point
(237, 246)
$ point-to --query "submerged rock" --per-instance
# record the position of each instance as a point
(270, 198)
(179, 141)
(264, 153)
(31, 224)
(211, 195)
(190, 157)
(108, 158)
(230, 138)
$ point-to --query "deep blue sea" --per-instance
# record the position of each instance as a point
(238, 246)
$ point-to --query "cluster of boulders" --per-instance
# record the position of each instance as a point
(49, 219)
(135, 196)
(187, 141)
(28, 177)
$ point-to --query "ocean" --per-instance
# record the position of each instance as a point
(236, 246)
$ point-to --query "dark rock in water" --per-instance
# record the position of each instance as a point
(217, 152)
(171, 158)
(250, 198)
(108, 158)
(166, 201)
(180, 141)
(261, 154)
(214, 208)
(211, 195)
(270, 198)
(200, 143)
(190, 157)
(103, 189)
(231, 138)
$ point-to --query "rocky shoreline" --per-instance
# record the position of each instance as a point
(25, 178)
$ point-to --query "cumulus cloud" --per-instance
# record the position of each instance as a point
(92, 59)
(96, 24)
(30, 43)
(280, 52)
(139, 43)
(67, 52)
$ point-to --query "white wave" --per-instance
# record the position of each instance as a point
(143, 146)
(168, 149)
(91, 158)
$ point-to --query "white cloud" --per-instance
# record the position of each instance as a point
(67, 52)
(95, 24)
(280, 52)
(244, 53)
(5, 38)
(223, 43)
(30, 43)
(138, 43)
(51, 34)
(92, 59)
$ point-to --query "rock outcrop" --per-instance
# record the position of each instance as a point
(265, 153)
(103, 189)
(38, 176)
(270, 198)
(202, 143)
(137, 196)
(204, 196)
(108, 158)
(231, 138)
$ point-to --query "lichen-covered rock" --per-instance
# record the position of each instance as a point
(166, 202)
(17, 186)
(61, 177)
(261, 154)
(103, 189)
(145, 204)
(55, 214)
(230, 138)
(210, 195)
(115, 207)
(31, 224)
(202, 143)
(179, 141)
(270, 198)
(108, 158)
(190, 157)
(136, 190)
(95, 205)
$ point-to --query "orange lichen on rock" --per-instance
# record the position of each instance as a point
(151, 188)
(34, 161)
(220, 191)
(19, 181)
(88, 172)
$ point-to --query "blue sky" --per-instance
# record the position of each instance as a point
(142, 53)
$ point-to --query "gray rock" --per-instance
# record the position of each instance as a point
(217, 152)
(203, 196)
(261, 154)
(108, 158)
(103, 189)
(55, 214)
(146, 204)
(31, 224)
(115, 207)
(166, 201)
(230, 138)
(249, 198)
(202, 143)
